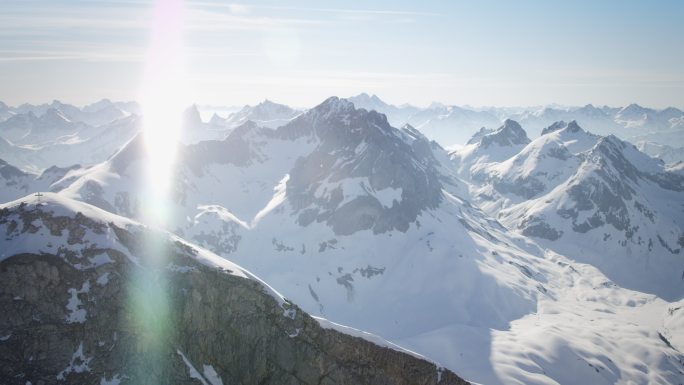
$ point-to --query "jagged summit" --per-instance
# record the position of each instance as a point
(266, 113)
(369, 102)
(191, 117)
(571, 127)
(99, 105)
(509, 134)
(270, 107)
(556, 126)
(479, 134)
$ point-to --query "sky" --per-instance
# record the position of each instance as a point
(478, 53)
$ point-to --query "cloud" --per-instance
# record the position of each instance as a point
(316, 9)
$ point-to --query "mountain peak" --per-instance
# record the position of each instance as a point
(561, 125)
(335, 104)
(191, 117)
(509, 134)
(555, 126)
(479, 134)
(369, 102)
(573, 127)
(632, 111)
(366, 97)
(54, 116)
(99, 105)
(216, 120)
(269, 108)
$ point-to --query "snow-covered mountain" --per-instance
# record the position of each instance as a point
(595, 199)
(490, 146)
(447, 125)
(35, 143)
(195, 130)
(452, 125)
(95, 114)
(369, 225)
(667, 154)
(396, 115)
(265, 114)
(90, 297)
(16, 183)
(5, 112)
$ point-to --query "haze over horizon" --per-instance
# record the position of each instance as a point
(525, 54)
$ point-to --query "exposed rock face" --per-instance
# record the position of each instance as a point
(355, 144)
(115, 302)
(479, 134)
(509, 134)
(350, 169)
(560, 125)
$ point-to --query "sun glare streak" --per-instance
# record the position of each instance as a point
(163, 101)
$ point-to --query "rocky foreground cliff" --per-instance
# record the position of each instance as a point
(90, 297)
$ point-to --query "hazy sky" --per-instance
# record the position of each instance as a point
(504, 52)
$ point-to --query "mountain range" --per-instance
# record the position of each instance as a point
(89, 303)
(552, 256)
(454, 125)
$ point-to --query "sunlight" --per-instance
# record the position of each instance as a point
(163, 100)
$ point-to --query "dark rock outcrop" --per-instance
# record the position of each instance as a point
(116, 303)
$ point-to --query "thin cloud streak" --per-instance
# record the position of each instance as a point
(313, 9)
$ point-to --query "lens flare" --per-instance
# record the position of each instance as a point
(163, 99)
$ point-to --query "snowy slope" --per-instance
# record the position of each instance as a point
(489, 147)
(569, 188)
(539, 167)
(34, 144)
(59, 243)
(366, 225)
(15, 183)
(667, 154)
